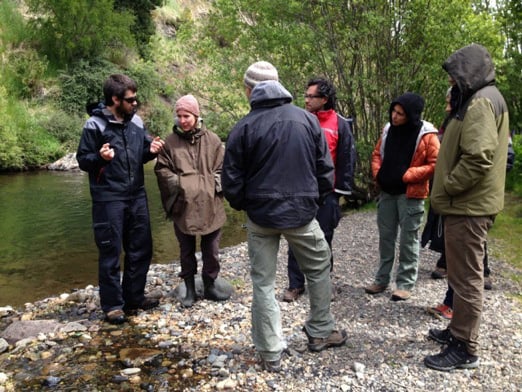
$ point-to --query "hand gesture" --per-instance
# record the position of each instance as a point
(107, 152)
(156, 145)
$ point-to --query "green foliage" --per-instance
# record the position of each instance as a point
(510, 72)
(65, 127)
(158, 117)
(71, 30)
(13, 31)
(514, 176)
(24, 142)
(143, 27)
(10, 149)
(21, 67)
(24, 72)
(371, 50)
(83, 84)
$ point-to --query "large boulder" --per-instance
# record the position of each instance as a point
(23, 329)
(66, 163)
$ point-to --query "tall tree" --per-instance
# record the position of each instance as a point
(71, 30)
(511, 70)
(373, 50)
(143, 27)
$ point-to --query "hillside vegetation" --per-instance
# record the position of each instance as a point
(55, 55)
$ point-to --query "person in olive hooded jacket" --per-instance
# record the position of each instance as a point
(468, 190)
(403, 162)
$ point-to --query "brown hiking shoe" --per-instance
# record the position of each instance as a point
(291, 295)
(336, 339)
(115, 316)
(375, 288)
(400, 295)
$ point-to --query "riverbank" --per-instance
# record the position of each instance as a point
(208, 347)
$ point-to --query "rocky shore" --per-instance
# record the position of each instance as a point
(62, 343)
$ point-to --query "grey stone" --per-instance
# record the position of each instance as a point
(3, 345)
(19, 330)
(66, 163)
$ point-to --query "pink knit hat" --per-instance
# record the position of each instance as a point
(189, 104)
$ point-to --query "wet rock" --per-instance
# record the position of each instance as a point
(136, 357)
(19, 330)
(6, 311)
(130, 371)
(68, 162)
(73, 327)
(4, 345)
(51, 381)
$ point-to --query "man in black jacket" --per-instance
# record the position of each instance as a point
(277, 167)
(113, 148)
(320, 99)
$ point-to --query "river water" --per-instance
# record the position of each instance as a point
(46, 241)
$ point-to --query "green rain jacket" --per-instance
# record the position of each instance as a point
(471, 166)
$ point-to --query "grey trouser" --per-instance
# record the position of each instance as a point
(313, 256)
(394, 212)
(464, 238)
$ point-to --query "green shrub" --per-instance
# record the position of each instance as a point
(83, 84)
(64, 127)
(24, 141)
(24, 72)
(514, 176)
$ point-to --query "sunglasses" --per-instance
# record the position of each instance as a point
(310, 96)
(130, 99)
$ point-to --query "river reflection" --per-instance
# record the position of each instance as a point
(46, 240)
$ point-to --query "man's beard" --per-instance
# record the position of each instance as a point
(125, 114)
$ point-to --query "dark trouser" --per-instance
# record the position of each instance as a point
(448, 299)
(328, 215)
(441, 263)
(126, 223)
(209, 253)
(464, 238)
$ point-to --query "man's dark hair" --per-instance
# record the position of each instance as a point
(117, 85)
(326, 89)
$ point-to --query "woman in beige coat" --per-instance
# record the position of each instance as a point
(188, 170)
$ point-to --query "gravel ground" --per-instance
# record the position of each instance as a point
(385, 349)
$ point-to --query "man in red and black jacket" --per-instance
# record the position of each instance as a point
(320, 99)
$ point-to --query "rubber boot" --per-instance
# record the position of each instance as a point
(211, 291)
(190, 296)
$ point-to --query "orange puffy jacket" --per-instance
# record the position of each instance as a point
(422, 166)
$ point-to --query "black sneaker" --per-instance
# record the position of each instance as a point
(454, 356)
(441, 336)
(148, 303)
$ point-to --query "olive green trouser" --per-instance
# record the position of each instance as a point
(394, 212)
(313, 256)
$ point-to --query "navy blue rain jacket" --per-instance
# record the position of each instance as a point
(122, 178)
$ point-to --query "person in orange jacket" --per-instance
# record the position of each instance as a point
(403, 162)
